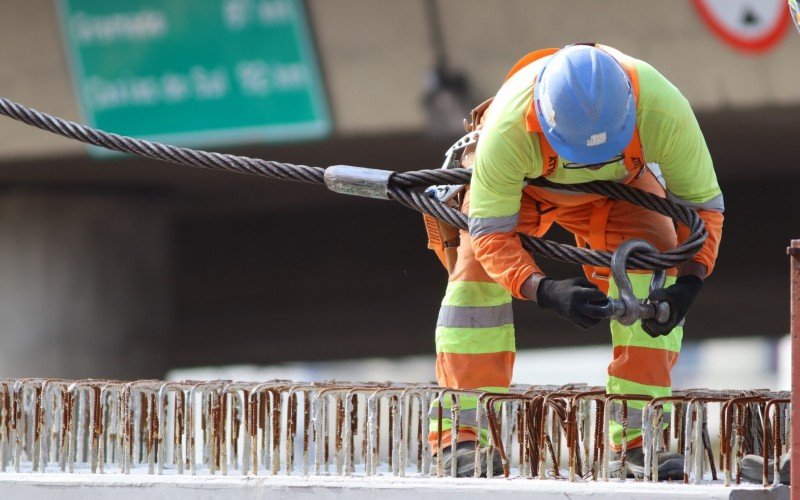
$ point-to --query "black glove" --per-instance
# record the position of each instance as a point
(576, 299)
(679, 297)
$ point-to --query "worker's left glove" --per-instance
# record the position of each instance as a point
(679, 297)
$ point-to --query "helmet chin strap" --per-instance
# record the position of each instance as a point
(593, 166)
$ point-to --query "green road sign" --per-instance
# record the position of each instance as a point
(195, 72)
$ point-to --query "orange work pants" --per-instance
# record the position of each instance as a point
(475, 336)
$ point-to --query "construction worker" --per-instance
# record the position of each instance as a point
(582, 113)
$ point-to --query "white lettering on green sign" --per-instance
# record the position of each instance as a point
(196, 72)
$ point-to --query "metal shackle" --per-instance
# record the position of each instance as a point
(628, 308)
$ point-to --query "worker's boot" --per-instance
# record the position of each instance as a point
(752, 467)
(670, 464)
(465, 460)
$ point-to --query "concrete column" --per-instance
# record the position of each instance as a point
(84, 284)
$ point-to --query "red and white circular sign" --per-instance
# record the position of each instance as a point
(749, 25)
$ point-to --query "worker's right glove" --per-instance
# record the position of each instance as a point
(576, 299)
(679, 297)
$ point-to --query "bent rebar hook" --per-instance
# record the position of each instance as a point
(628, 308)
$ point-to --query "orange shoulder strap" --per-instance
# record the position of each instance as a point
(549, 156)
(529, 58)
(627, 64)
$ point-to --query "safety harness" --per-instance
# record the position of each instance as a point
(443, 238)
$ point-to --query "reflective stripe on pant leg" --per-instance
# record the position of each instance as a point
(474, 336)
(467, 418)
(474, 349)
(641, 364)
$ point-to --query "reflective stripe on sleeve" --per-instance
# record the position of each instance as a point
(480, 226)
(715, 204)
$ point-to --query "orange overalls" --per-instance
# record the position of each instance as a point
(640, 364)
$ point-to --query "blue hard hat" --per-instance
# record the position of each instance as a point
(585, 104)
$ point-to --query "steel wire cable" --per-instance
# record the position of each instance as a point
(404, 187)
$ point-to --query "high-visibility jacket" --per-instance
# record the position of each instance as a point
(512, 148)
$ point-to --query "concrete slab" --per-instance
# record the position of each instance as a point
(36, 486)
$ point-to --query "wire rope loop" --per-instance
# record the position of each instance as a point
(404, 187)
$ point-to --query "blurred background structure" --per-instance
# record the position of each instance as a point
(126, 268)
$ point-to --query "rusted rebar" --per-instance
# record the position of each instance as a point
(283, 427)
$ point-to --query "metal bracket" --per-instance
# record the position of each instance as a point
(444, 193)
(452, 159)
(628, 308)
